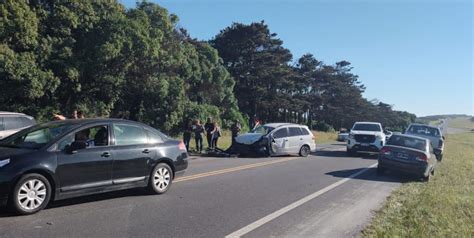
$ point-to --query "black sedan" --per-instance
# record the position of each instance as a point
(408, 154)
(64, 159)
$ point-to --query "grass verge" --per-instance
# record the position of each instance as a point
(443, 207)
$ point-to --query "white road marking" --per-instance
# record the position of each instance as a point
(245, 230)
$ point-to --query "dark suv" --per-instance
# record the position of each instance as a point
(63, 159)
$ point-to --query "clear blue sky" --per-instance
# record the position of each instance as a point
(415, 55)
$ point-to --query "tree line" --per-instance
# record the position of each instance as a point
(110, 61)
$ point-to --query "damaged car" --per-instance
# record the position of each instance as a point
(275, 139)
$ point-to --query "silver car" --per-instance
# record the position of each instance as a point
(432, 133)
(282, 138)
(11, 122)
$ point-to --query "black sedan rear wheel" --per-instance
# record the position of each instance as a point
(30, 194)
(160, 179)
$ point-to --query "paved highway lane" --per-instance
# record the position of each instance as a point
(221, 196)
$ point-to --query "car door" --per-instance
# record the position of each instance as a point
(89, 167)
(295, 139)
(280, 141)
(131, 152)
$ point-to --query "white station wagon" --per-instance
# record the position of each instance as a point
(12, 122)
(279, 139)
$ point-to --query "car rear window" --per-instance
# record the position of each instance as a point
(304, 131)
(409, 142)
(424, 130)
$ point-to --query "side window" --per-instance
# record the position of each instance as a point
(153, 138)
(295, 131)
(129, 135)
(93, 137)
(2, 128)
(281, 133)
(11, 123)
(25, 122)
(304, 131)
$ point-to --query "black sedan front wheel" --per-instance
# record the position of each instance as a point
(31, 194)
(161, 179)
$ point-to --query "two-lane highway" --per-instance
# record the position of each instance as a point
(326, 194)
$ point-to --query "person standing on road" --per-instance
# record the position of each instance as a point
(187, 134)
(198, 131)
(215, 135)
(209, 126)
(236, 128)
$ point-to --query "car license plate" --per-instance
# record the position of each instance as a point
(402, 156)
(365, 144)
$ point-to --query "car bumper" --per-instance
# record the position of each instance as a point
(369, 147)
(416, 169)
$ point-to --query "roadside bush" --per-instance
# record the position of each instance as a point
(322, 126)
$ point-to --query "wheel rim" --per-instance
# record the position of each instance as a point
(305, 151)
(31, 194)
(162, 178)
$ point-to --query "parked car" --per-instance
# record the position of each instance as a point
(276, 139)
(410, 154)
(11, 122)
(343, 135)
(365, 137)
(64, 159)
(431, 133)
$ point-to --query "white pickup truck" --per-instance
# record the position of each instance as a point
(365, 137)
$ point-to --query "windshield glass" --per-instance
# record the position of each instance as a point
(35, 137)
(409, 142)
(263, 130)
(424, 130)
(366, 127)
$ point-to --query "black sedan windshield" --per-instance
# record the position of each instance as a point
(35, 137)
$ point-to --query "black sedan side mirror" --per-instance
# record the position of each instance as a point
(75, 146)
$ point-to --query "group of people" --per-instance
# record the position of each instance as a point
(75, 115)
(211, 130)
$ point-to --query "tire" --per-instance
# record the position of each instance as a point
(439, 157)
(380, 170)
(305, 151)
(161, 179)
(31, 194)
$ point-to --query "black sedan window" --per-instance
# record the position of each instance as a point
(129, 135)
(35, 137)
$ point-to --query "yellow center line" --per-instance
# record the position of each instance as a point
(229, 170)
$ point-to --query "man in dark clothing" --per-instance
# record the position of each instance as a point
(198, 130)
(209, 126)
(235, 128)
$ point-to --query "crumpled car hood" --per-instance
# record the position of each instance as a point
(248, 138)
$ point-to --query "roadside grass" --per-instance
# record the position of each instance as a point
(443, 207)
(225, 140)
(461, 122)
(325, 137)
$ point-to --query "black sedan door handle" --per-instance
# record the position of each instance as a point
(146, 151)
(105, 154)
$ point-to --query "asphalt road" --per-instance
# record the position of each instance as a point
(324, 195)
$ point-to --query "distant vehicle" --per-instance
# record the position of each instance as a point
(276, 139)
(410, 154)
(64, 159)
(342, 135)
(365, 137)
(431, 133)
(11, 122)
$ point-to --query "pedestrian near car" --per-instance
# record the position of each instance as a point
(187, 134)
(209, 127)
(236, 128)
(215, 136)
(198, 130)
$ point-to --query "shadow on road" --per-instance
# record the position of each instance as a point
(342, 154)
(86, 199)
(371, 175)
